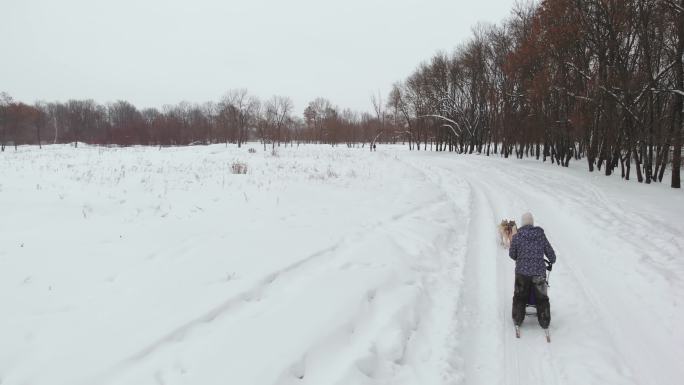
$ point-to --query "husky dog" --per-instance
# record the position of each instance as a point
(507, 230)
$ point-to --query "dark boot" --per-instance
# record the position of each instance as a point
(520, 295)
(543, 305)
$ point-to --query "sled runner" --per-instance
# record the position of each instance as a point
(546, 333)
(531, 306)
(531, 310)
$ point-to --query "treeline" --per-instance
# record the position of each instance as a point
(599, 80)
(236, 118)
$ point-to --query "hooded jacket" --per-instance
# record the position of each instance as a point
(528, 248)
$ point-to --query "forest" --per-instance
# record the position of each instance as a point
(597, 81)
(236, 118)
(561, 80)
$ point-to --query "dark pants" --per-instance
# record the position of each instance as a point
(524, 285)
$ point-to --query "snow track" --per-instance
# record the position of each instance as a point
(599, 333)
(327, 266)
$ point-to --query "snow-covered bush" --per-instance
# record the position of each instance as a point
(239, 168)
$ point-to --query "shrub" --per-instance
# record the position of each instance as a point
(239, 168)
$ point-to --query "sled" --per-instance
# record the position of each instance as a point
(547, 334)
(531, 307)
(531, 310)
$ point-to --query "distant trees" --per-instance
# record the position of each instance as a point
(241, 113)
(237, 117)
(278, 117)
(19, 123)
(5, 101)
(380, 115)
(559, 80)
(317, 113)
(80, 116)
(127, 125)
(326, 123)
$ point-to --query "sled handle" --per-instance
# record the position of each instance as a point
(548, 268)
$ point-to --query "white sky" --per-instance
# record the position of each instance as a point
(156, 52)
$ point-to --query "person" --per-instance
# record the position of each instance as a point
(528, 248)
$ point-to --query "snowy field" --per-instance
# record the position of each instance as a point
(327, 266)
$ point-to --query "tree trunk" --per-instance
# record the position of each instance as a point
(677, 155)
(637, 166)
(628, 157)
(679, 128)
(649, 164)
(663, 162)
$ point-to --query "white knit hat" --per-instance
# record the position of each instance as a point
(527, 219)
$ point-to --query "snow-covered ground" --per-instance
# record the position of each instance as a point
(326, 266)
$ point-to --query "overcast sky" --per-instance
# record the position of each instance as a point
(157, 52)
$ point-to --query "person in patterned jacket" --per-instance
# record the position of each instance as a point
(528, 248)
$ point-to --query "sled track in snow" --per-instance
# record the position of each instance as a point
(518, 369)
(492, 353)
(593, 341)
(486, 345)
(632, 367)
(539, 365)
(488, 282)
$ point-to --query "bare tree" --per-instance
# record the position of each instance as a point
(242, 109)
(315, 116)
(559, 81)
(278, 110)
(379, 108)
(5, 101)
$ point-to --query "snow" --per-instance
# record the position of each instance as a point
(326, 265)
